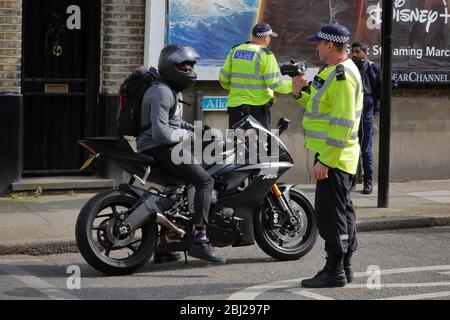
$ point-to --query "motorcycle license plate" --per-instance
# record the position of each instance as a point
(87, 163)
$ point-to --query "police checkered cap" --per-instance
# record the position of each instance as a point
(332, 32)
(261, 30)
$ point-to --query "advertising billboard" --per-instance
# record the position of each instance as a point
(421, 30)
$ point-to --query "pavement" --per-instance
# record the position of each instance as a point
(44, 224)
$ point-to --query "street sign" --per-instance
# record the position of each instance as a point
(215, 103)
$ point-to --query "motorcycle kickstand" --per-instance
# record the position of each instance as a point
(185, 257)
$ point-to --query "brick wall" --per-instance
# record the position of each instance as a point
(10, 44)
(123, 33)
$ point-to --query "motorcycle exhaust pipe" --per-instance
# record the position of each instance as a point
(147, 212)
(163, 221)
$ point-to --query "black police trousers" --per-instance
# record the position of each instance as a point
(260, 113)
(336, 219)
(194, 173)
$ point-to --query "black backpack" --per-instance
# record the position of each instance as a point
(131, 93)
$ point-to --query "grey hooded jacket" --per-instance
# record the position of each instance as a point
(162, 114)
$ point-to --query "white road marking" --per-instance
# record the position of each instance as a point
(401, 285)
(313, 295)
(36, 283)
(441, 196)
(308, 294)
(445, 273)
(421, 296)
(252, 292)
(407, 270)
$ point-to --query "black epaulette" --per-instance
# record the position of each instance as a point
(267, 50)
(236, 45)
(340, 72)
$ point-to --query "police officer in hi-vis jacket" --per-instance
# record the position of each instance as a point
(333, 104)
(251, 74)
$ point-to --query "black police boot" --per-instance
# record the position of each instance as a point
(200, 248)
(331, 276)
(348, 266)
(368, 187)
(162, 255)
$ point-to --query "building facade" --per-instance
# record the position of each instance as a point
(66, 60)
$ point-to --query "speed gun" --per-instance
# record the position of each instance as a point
(293, 69)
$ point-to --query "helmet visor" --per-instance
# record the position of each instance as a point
(185, 54)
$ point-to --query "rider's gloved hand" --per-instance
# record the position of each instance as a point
(206, 128)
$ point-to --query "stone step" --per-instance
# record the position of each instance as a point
(55, 184)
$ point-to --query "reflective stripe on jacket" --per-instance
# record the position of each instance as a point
(251, 74)
(332, 114)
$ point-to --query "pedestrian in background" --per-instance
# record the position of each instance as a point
(370, 74)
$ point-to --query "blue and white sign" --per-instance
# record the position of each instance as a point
(215, 103)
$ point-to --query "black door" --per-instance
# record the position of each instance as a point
(60, 80)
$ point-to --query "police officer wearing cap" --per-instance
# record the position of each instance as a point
(333, 104)
(251, 74)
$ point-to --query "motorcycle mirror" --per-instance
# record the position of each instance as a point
(283, 124)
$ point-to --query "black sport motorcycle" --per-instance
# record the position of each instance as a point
(117, 231)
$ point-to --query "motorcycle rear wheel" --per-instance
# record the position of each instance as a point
(96, 243)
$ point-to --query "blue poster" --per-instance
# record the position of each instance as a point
(212, 27)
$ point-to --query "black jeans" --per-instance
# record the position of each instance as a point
(260, 113)
(366, 137)
(193, 173)
(336, 218)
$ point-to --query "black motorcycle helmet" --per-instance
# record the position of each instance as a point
(176, 64)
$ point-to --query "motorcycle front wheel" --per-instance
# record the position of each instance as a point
(289, 242)
(101, 245)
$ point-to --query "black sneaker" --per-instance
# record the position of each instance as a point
(204, 251)
(368, 187)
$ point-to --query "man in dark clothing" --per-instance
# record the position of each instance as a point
(370, 74)
(162, 116)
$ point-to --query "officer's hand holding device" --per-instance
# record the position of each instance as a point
(295, 70)
(298, 84)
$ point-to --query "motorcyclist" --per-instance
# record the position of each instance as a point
(162, 115)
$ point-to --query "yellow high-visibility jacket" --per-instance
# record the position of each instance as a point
(251, 74)
(333, 111)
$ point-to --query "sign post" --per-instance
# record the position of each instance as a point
(385, 112)
(199, 96)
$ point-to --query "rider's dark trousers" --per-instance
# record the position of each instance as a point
(336, 219)
(193, 173)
